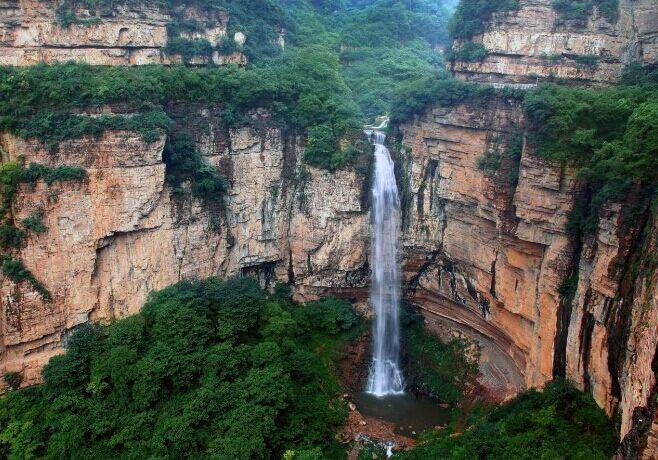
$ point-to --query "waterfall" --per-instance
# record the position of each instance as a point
(385, 375)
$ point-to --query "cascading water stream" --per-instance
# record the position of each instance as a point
(385, 375)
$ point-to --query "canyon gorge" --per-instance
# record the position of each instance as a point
(485, 254)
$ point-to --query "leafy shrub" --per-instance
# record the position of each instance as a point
(608, 135)
(376, 73)
(10, 236)
(489, 162)
(189, 49)
(185, 163)
(580, 10)
(588, 60)
(493, 159)
(16, 271)
(55, 127)
(444, 370)
(208, 368)
(321, 146)
(11, 176)
(34, 222)
(389, 23)
(438, 88)
(558, 422)
(331, 315)
(13, 379)
(36, 171)
(468, 52)
(302, 89)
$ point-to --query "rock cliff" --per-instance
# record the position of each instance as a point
(536, 42)
(487, 255)
(32, 31)
(121, 233)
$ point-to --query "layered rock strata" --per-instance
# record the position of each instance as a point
(487, 254)
(535, 43)
(121, 233)
(31, 32)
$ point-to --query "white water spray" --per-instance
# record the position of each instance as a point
(385, 375)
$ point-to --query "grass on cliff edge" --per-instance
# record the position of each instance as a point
(303, 89)
(207, 369)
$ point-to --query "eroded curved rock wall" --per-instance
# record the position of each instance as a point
(487, 253)
(481, 251)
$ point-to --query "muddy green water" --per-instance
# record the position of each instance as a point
(409, 413)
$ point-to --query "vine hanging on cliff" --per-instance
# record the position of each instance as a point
(12, 175)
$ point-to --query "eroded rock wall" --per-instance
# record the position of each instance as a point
(121, 233)
(31, 31)
(534, 43)
(481, 250)
(488, 255)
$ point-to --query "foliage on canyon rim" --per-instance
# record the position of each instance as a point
(260, 20)
(208, 368)
(440, 88)
(558, 422)
(467, 52)
(337, 53)
(185, 164)
(471, 16)
(581, 10)
(304, 89)
(609, 135)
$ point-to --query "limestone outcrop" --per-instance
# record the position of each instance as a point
(31, 31)
(121, 233)
(534, 43)
(487, 255)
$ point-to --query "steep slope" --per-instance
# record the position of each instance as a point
(132, 33)
(498, 258)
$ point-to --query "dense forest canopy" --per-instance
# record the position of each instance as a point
(216, 369)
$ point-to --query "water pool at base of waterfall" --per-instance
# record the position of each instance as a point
(412, 414)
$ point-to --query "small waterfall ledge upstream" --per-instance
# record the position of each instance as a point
(385, 375)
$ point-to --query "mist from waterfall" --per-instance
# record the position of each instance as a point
(385, 374)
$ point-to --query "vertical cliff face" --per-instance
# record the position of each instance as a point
(482, 251)
(121, 233)
(32, 31)
(488, 252)
(536, 42)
